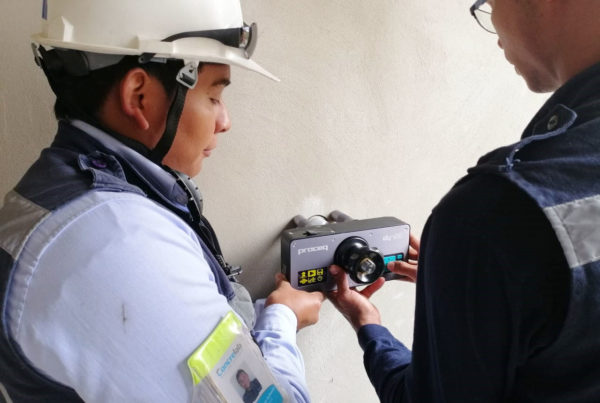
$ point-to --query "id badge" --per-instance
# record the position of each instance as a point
(229, 367)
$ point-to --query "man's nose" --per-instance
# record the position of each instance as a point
(223, 123)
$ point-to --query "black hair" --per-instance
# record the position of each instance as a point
(82, 97)
(240, 371)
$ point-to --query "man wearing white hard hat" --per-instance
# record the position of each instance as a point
(110, 276)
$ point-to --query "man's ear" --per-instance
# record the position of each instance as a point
(133, 94)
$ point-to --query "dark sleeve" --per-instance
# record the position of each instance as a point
(385, 360)
(492, 289)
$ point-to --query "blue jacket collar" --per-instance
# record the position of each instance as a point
(581, 95)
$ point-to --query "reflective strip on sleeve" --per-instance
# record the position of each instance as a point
(18, 218)
(577, 226)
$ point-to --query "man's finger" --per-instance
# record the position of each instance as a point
(340, 278)
(413, 254)
(279, 278)
(320, 295)
(404, 269)
(373, 288)
(414, 244)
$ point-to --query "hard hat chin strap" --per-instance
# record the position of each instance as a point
(158, 153)
(186, 79)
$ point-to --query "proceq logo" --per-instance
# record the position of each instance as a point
(394, 237)
(313, 249)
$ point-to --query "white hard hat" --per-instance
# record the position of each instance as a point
(191, 30)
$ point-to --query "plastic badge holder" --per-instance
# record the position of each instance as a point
(228, 359)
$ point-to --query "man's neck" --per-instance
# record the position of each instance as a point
(578, 47)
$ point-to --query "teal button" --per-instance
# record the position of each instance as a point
(393, 258)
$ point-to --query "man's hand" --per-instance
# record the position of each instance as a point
(408, 269)
(355, 305)
(306, 305)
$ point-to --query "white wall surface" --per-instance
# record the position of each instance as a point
(382, 106)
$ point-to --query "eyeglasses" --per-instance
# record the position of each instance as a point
(482, 12)
(244, 38)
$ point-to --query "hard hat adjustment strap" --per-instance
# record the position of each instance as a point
(188, 75)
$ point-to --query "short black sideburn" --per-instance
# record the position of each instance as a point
(82, 97)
